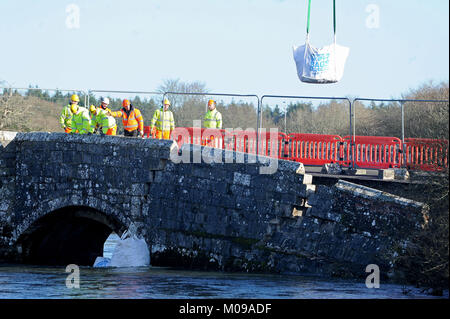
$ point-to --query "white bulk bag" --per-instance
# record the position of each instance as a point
(320, 65)
(130, 251)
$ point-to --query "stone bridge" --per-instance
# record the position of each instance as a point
(197, 207)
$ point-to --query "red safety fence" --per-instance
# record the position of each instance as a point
(214, 138)
(188, 135)
(241, 141)
(373, 151)
(148, 131)
(315, 149)
(426, 154)
(272, 145)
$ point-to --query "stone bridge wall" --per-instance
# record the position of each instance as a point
(218, 213)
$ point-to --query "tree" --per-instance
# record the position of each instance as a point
(292, 107)
(425, 260)
(178, 100)
(13, 109)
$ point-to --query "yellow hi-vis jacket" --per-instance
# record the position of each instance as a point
(163, 120)
(66, 117)
(213, 119)
(81, 121)
(103, 120)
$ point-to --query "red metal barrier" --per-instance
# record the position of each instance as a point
(315, 149)
(274, 145)
(212, 137)
(147, 132)
(374, 151)
(426, 154)
(188, 135)
(239, 141)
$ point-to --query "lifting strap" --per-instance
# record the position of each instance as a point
(309, 19)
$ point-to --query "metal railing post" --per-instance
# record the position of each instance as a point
(86, 99)
(304, 97)
(258, 123)
(403, 135)
(352, 134)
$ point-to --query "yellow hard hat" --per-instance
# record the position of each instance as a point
(92, 108)
(74, 108)
(75, 98)
(166, 101)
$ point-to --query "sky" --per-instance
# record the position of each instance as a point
(233, 46)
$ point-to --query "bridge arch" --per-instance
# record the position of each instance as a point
(68, 233)
(47, 206)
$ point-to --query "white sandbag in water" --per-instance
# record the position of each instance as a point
(322, 65)
(130, 252)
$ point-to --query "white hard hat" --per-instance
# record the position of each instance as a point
(104, 100)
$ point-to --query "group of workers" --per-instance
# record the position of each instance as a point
(76, 119)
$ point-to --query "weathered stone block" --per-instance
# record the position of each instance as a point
(322, 193)
(138, 189)
(393, 173)
(356, 171)
(370, 210)
(332, 169)
(242, 179)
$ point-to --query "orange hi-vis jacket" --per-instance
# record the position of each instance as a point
(131, 120)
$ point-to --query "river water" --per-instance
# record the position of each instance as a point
(36, 282)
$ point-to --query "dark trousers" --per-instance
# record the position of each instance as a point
(131, 133)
